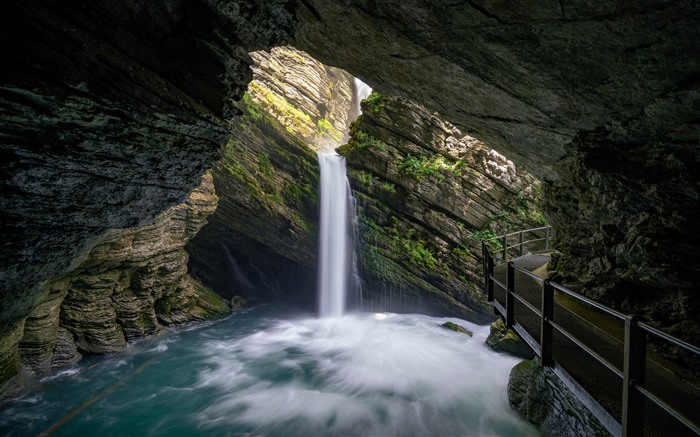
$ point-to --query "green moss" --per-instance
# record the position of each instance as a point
(457, 328)
(374, 103)
(293, 119)
(252, 109)
(462, 251)
(402, 244)
(212, 304)
(325, 128)
(264, 165)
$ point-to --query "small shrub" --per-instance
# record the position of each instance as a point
(363, 140)
(389, 187)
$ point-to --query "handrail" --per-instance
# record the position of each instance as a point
(503, 240)
(596, 305)
(636, 332)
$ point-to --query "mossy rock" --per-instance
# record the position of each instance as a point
(457, 328)
(506, 340)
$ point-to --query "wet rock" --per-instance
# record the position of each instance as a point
(427, 196)
(110, 114)
(540, 397)
(131, 283)
(457, 328)
(262, 240)
(505, 340)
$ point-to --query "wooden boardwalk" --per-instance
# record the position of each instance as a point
(604, 334)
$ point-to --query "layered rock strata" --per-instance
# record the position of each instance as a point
(262, 240)
(110, 114)
(312, 100)
(427, 196)
(600, 99)
(130, 285)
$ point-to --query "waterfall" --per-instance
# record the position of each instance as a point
(362, 90)
(334, 243)
(337, 258)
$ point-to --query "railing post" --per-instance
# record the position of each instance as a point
(510, 300)
(546, 331)
(522, 248)
(546, 238)
(634, 374)
(505, 247)
(489, 273)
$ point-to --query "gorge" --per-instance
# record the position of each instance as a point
(113, 113)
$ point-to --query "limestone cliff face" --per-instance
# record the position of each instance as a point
(131, 284)
(110, 113)
(427, 196)
(312, 100)
(262, 240)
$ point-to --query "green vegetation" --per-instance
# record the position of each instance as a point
(502, 215)
(366, 177)
(265, 165)
(421, 166)
(326, 128)
(363, 140)
(391, 243)
(527, 210)
(293, 119)
(389, 187)
(462, 251)
(253, 110)
(457, 328)
(487, 234)
(374, 103)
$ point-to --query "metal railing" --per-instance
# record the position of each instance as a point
(635, 391)
(504, 243)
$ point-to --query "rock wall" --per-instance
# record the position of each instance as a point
(627, 221)
(540, 397)
(427, 196)
(312, 100)
(524, 78)
(599, 98)
(110, 113)
(262, 240)
(131, 284)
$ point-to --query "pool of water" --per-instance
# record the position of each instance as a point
(265, 373)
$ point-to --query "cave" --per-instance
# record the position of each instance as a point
(138, 176)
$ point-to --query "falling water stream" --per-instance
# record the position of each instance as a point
(337, 211)
(334, 244)
(266, 372)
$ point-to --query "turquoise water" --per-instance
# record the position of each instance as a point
(262, 373)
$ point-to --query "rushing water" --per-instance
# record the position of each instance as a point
(334, 244)
(260, 373)
(337, 264)
(263, 373)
